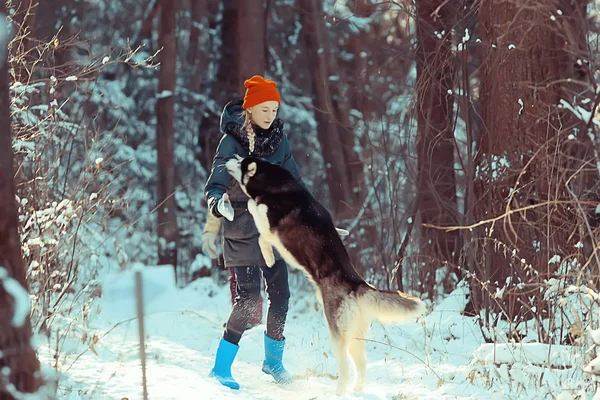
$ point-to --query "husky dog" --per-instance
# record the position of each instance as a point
(289, 219)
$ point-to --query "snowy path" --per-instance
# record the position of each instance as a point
(183, 327)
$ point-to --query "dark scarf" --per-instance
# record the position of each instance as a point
(266, 141)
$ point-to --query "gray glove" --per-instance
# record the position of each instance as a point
(210, 244)
(224, 207)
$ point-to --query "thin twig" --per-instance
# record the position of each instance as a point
(513, 211)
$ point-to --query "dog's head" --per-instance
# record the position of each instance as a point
(257, 176)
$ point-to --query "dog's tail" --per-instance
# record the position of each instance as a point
(390, 306)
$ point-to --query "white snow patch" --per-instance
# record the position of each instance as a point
(555, 259)
(164, 94)
(20, 296)
(539, 354)
(520, 101)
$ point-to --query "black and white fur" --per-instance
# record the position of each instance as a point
(301, 229)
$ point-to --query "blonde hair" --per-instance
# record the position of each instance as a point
(249, 130)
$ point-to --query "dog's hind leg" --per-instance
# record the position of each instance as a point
(357, 351)
(339, 344)
(337, 314)
(267, 251)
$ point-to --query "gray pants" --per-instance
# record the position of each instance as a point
(248, 293)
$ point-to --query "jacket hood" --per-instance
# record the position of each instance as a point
(232, 115)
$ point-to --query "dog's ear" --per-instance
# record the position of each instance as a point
(251, 169)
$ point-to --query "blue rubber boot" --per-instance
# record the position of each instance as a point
(222, 370)
(272, 364)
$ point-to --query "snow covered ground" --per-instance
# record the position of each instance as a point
(441, 357)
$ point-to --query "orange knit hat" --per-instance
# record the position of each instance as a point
(259, 90)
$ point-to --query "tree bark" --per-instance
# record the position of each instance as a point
(165, 143)
(197, 10)
(16, 352)
(145, 35)
(251, 39)
(226, 87)
(328, 134)
(530, 63)
(436, 184)
(354, 165)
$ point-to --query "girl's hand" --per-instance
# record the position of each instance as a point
(210, 244)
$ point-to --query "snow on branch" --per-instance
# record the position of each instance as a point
(580, 112)
(20, 295)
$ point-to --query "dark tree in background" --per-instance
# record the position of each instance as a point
(533, 154)
(328, 128)
(251, 40)
(165, 143)
(16, 352)
(436, 184)
(226, 86)
(198, 9)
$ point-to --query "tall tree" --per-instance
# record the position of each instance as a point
(531, 151)
(16, 352)
(328, 132)
(198, 8)
(251, 39)
(226, 87)
(436, 185)
(145, 34)
(165, 143)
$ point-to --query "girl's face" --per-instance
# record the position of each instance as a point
(264, 114)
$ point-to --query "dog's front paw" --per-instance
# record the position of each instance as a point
(267, 251)
(269, 259)
(252, 207)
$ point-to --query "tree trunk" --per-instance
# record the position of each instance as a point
(354, 165)
(436, 185)
(24, 19)
(530, 63)
(226, 87)
(251, 39)
(197, 11)
(328, 134)
(145, 34)
(16, 352)
(165, 144)
(358, 76)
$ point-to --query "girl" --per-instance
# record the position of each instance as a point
(250, 127)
